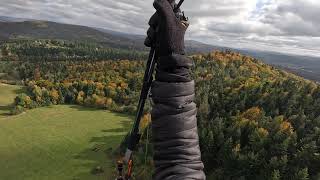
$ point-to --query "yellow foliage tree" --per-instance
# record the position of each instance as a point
(54, 94)
(145, 121)
(252, 114)
(80, 98)
(108, 102)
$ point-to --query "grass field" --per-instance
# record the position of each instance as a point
(7, 95)
(57, 142)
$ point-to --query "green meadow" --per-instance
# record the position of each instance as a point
(64, 142)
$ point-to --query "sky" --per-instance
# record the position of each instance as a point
(288, 26)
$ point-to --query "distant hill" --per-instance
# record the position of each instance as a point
(13, 19)
(305, 66)
(192, 46)
(52, 30)
(19, 28)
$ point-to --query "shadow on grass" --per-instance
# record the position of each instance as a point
(6, 110)
(117, 130)
(103, 154)
(20, 90)
(84, 108)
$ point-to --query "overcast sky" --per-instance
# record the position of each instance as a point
(291, 26)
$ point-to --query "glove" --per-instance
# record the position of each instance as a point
(166, 30)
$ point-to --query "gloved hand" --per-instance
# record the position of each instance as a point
(166, 30)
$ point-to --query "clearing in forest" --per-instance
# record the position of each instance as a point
(62, 142)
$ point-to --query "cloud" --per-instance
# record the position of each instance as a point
(291, 26)
(294, 18)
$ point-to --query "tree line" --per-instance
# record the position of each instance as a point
(61, 50)
(109, 84)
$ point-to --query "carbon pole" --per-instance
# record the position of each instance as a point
(178, 5)
(147, 80)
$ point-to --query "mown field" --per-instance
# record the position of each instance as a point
(62, 142)
(7, 95)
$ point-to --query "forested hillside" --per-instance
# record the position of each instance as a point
(255, 122)
(61, 50)
(52, 30)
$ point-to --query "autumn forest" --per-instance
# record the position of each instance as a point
(255, 121)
